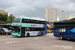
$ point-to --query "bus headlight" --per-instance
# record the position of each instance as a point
(19, 27)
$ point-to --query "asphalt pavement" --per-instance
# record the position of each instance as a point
(46, 42)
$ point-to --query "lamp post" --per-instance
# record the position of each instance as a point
(62, 14)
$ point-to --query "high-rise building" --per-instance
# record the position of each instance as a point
(3, 12)
(50, 14)
(63, 16)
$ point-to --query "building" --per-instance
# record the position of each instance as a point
(3, 12)
(50, 14)
(63, 16)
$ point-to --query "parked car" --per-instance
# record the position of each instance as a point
(4, 31)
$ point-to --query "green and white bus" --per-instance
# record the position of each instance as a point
(28, 27)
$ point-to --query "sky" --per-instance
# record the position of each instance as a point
(35, 8)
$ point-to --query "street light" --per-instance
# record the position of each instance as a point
(62, 14)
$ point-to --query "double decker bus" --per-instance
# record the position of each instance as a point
(28, 27)
(65, 29)
(49, 28)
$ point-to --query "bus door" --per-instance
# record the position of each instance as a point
(22, 31)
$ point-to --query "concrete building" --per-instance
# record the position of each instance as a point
(50, 14)
(3, 12)
(63, 16)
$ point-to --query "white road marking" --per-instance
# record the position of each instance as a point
(65, 47)
(12, 42)
(50, 36)
(37, 38)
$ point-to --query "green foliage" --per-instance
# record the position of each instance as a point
(1, 22)
(10, 18)
(47, 22)
(3, 17)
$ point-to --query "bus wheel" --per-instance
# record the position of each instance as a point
(61, 37)
(28, 34)
(41, 34)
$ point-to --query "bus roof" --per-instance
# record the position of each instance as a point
(71, 18)
(60, 21)
(66, 21)
(33, 19)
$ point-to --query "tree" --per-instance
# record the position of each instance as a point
(10, 18)
(3, 17)
(47, 22)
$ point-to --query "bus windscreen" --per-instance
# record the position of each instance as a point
(16, 20)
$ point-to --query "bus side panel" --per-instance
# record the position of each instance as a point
(72, 32)
(39, 33)
(33, 33)
(44, 32)
(63, 31)
(69, 33)
(56, 32)
(16, 34)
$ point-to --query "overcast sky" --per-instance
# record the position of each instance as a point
(35, 8)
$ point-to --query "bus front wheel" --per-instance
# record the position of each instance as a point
(61, 36)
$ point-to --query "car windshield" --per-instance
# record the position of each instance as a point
(5, 29)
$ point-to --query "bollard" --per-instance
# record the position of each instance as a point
(6, 34)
